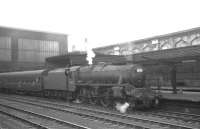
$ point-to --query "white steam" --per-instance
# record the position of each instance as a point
(90, 55)
(77, 101)
(122, 107)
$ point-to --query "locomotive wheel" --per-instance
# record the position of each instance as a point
(92, 99)
(147, 103)
(105, 100)
(81, 99)
(81, 96)
(133, 105)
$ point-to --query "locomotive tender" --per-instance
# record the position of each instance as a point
(95, 84)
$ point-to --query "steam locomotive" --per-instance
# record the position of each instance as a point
(95, 84)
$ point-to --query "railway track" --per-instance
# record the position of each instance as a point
(15, 104)
(9, 121)
(36, 120)
(187, 117)
(135, 120)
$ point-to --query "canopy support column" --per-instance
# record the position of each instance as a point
(173, 78)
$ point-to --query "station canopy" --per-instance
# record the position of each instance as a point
(172, 56)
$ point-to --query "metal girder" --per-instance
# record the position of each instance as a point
(168, 41)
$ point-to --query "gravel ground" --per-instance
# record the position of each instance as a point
(7, 122)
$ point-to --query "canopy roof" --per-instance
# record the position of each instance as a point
(175, 55)
(172, 56)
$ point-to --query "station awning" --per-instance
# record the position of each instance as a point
(176, 55)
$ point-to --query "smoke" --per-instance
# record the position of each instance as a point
(90, 55)
(122, 107)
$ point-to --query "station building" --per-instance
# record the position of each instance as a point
(172, 61)
(26, 49)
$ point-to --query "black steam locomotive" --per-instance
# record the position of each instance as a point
(95, 84)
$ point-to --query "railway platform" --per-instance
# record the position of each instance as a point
(185, 96)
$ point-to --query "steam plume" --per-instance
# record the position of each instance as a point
(122, 107)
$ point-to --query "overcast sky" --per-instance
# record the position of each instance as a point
(102, 22)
